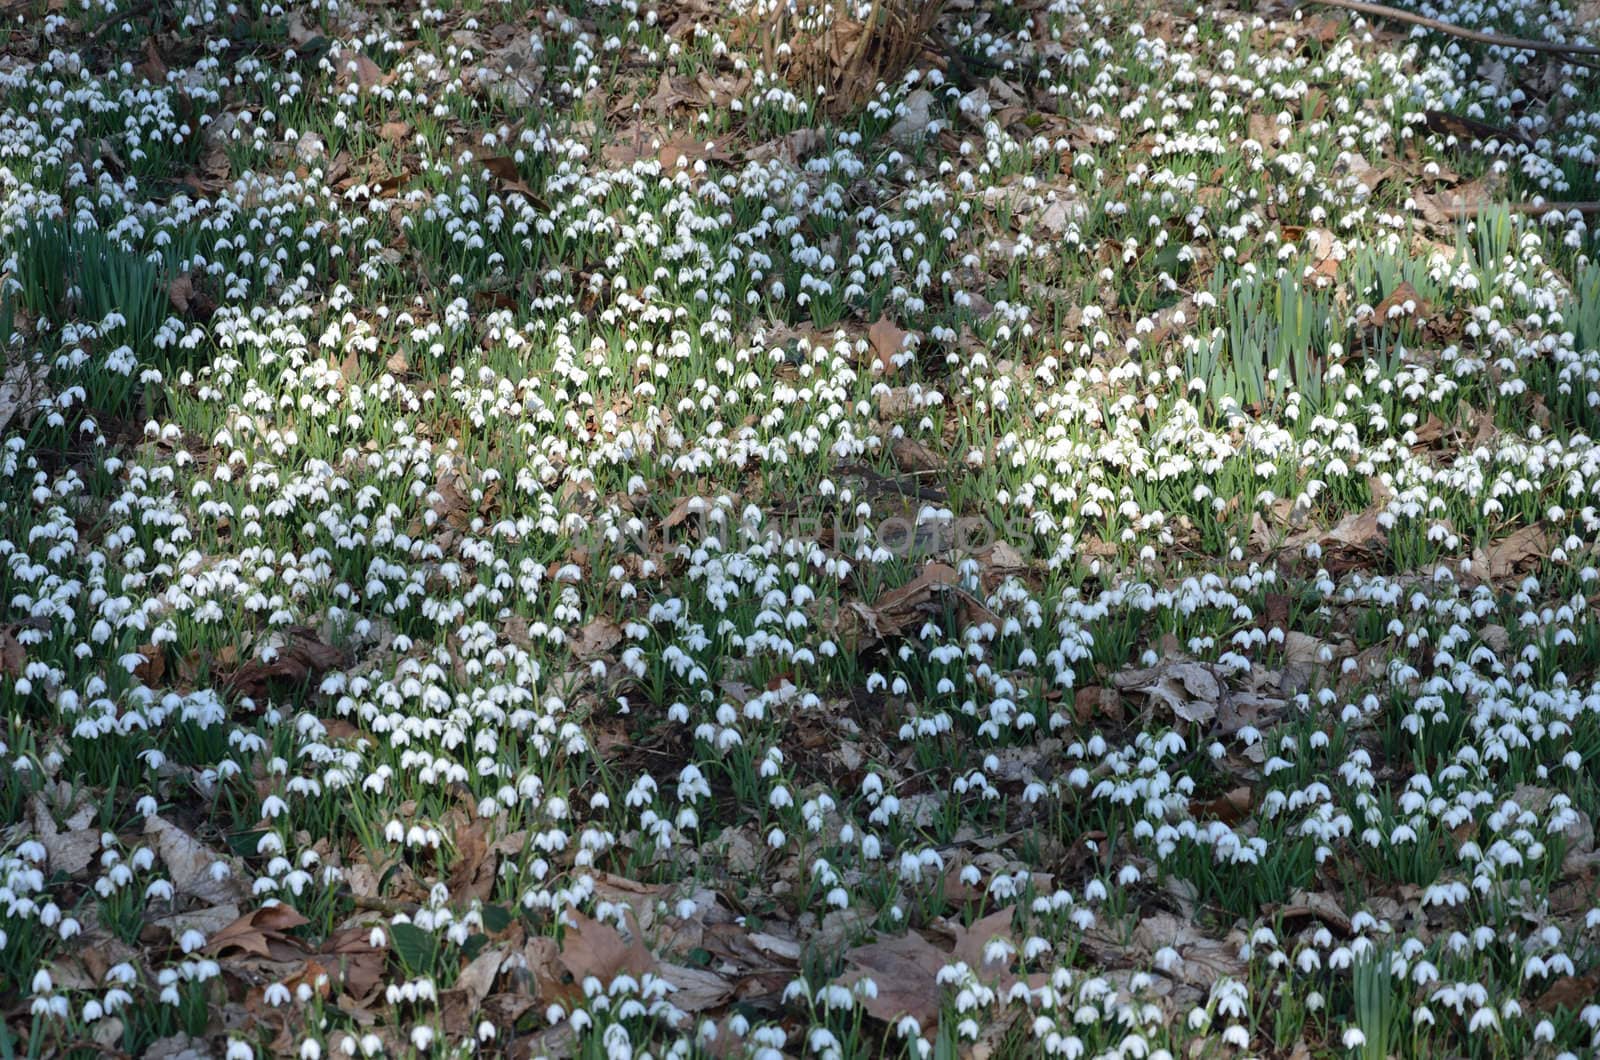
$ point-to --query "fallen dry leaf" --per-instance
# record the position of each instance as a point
(302, 658)
(1367, 175)
(1443, 208)
(187, 298)
(597, 637)
(503, 168)
(590, 947)
(1447, 124)
(920, 599)
(472, 871)
(154, 667)
(1326, 256)
(262, 932)
(887, 341)
(905, 971)
(1189, 689)
(153, 68)
(22, 390)
(695, 990)
(208, 921)
(1201, 960)
(971, 946)
(672, 93)
(1402, 302)
(912, 455)
(794, 148)
(476, 980)
(358, 964)
(1353, 542)
(362, 70)
(196, 871)
(1264, 131)
(68, 850)
(1570, 992)
(1093, 701)
(1229, 807)
(1511, 555)
(13, 656)
(1317, 904)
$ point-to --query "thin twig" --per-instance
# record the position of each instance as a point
(1531, 209)
(1480, 37)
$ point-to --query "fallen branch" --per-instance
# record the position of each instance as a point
(388, 906)
(1478, 36)
(1455, 125)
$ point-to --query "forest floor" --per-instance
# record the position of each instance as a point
(529, 530)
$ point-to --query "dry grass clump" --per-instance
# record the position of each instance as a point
(843, 50)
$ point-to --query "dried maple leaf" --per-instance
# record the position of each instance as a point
(592, 947)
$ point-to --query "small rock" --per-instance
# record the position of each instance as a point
(178, 1047)
(514, 74)
(310, 148)
(219, 130)
(975, 108)
(1060, 213)
(914, 122)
